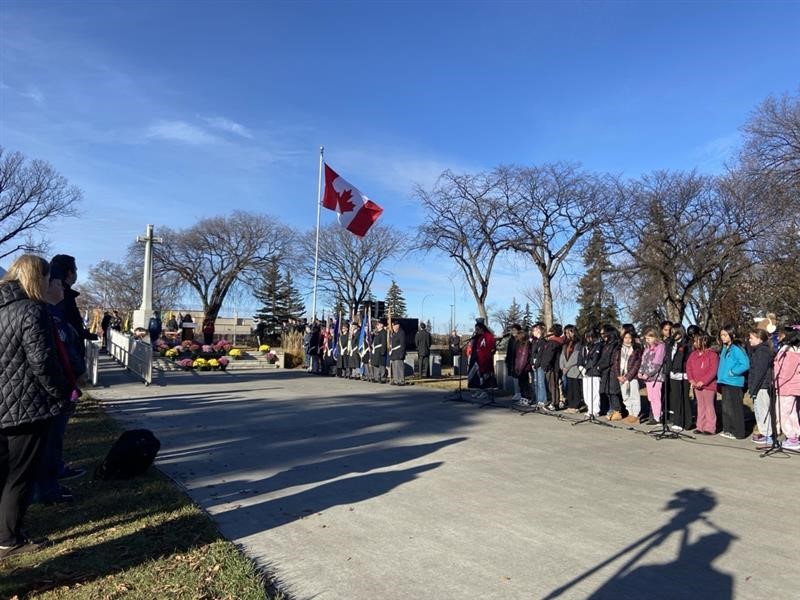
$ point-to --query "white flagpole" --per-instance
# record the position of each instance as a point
(316, 249)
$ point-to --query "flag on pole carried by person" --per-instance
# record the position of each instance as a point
(335, 351)
(357, 213)
(362, 334)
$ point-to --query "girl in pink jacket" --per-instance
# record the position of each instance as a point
(701, 370)
(787, 387)
(651, 372)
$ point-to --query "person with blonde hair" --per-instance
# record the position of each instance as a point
(651, 371)
(34, 390)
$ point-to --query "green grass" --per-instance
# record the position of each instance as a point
(141, 538)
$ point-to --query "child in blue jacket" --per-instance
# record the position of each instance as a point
(733, 364)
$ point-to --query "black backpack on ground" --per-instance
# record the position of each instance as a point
(131, 455)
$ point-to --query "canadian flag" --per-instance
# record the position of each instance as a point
(356, 212)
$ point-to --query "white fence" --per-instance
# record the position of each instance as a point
(135, 355)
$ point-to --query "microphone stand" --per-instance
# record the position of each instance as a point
(664, 432)
(458, 395)
(591, 418)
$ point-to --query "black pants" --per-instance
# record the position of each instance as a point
(525, 385)
(733, 410)
(21, 450)
(424, 365)
(552, 381)
(615, 402)
(574, 392)
(679, 403)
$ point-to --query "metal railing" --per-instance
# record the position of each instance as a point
(92, 353)
(135, 355)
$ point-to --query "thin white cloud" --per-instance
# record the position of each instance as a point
(717, 151)
(395, 170)
(34, 94)
(229, 126)
(179, 131)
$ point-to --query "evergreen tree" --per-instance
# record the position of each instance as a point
(514, 314)
(527, 316)
(292, 301)
(395, 301)
(269, 294)
(338, 308)
(596, 302)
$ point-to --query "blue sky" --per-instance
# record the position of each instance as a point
(166, 112)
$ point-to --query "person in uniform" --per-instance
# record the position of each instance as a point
(423, 342)
(380, 343)
(355, 354)
(343, 360)
(397, 354)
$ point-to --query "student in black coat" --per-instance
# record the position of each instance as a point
(759, 381)
(610, 395)
(591, 350)
(677, 353)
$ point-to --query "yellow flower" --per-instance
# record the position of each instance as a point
(263, 348)
(234, 352)
(199, 362)
(213, 362)
(171, 353)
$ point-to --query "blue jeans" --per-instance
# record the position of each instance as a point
(539, 386)
(46, 486)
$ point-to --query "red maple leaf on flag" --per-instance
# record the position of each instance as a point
(344, 201)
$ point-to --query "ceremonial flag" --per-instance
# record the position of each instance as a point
(368, 331)
(362, 334)
(335, 347)
(357, 213)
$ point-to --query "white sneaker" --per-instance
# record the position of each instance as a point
(516, 397)
(676, 428)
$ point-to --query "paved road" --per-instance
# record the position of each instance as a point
(346, 490)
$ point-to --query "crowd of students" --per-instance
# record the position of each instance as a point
(42, 358)
(681, 370)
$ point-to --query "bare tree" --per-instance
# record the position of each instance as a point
(553, 207)
(772, 142)
(348, 264)
(684, 235)
(467, 219)
(113, 285)
(215, 253)
(31, 194)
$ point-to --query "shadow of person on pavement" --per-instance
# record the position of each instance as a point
(360, 462)
(691, 573)
(262, 516)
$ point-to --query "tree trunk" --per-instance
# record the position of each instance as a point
(547, 300)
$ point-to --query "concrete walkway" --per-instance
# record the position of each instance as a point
(349, 490)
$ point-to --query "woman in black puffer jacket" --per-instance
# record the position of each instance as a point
(33, 389)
